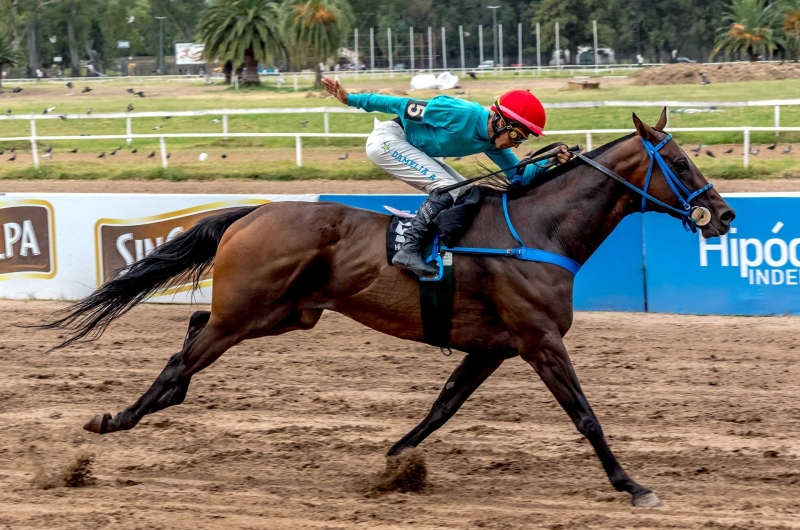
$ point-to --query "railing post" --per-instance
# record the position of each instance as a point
(34, 150)
(747, 148)
(295, 82)
(128, 130)
(225, 126)
(299, 150)
(777, 118)
(588, 141)
(326, 122)
(163, 145)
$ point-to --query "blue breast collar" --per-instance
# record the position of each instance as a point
(522, 252)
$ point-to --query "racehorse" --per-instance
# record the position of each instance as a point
(277, 267)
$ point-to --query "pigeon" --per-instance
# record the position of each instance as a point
(215, 120)
(169, 155)
(472, 75)
(89, 112)
(16, 90)
(787, 150)
(47, 155)
(85, 90)
(8, 112)
(48, 110)
(697, 149)
(69, 85)
(167, 117)
(461, 93)
(755, 153)
(729, 151)
(113, 153)
(131, 19)
(151, 155)
(224, 155)
(134, 151)
(102, 155)
(74, 150)
(773, 146)
(14, 157)
(130, 107)
(1, 152)
(140, 94)
(158, 127)
(130, 91)
(343, 157)
(49, 150)
(709, 153)
(63, 117)
(304, 123)
(13, 149)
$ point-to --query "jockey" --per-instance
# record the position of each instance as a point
(443, 126)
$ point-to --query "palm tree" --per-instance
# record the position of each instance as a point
(791, 27)
(753, 29)
(242, 31)
(8, 54)
(315, 29)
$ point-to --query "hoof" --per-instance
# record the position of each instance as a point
(98, 424)
(646, 500)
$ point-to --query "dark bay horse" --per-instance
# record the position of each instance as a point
(277, 267)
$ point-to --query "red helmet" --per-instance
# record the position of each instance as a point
(522, 107)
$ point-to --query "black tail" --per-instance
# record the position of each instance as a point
(180, 261)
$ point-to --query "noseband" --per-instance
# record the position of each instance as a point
(691, 216)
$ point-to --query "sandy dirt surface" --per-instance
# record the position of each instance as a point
(688, 73)
(298, 186)
(284, 433)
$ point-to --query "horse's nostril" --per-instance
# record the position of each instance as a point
(727, 216)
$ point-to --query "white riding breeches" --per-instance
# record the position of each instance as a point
(388, 149)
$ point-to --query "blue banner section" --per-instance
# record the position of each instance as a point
(612, 280)
(753, 270)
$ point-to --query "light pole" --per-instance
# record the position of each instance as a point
(494, 31)
(161, 45)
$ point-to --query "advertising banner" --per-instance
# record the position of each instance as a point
(63, 246)
(752, 270)
(188, 53)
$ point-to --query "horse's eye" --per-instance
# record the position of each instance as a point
(681, 165)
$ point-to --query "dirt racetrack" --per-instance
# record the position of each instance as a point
(284, 433)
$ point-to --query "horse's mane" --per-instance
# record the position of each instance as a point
(557, 171)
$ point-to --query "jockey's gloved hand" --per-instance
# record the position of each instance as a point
(527, 173)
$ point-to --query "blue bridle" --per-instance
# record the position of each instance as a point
(680, 191)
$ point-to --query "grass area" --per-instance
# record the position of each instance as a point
(111, 96)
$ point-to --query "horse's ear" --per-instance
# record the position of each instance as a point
(644, 130)
(662, 120)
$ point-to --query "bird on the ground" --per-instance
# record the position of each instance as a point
(169, 155)
(755, 153)
(158, 127)
(48, 110)
(14, 157)
(129, 108)
(787, 150)
(304, 123)
(167, 117)
(48, 150)
(709, 153)
(69, 85)
(729, 151)
(13, 149)
(16, 90)
(224, 155)
(113, 153)
(215, 120)
(102, 155)
(8, 112)
(130, 90)
(151, 155)
(460, 93)
(472, 75)
(2, 152)
(135, 151)
(89, 112)
(63, 117)
(344, 156)
(86, 89)
(74, 150)
(697, 149)
(140, 94)
(47, 155)
(773, 146)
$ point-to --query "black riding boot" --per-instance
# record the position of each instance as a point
(408, 257)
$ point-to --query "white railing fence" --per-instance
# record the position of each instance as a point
(587, 133)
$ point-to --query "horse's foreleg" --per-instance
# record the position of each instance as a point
(465, 379)
(551, 361)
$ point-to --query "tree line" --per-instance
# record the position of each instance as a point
(294, 34)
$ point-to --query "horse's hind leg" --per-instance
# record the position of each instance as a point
(465, 379)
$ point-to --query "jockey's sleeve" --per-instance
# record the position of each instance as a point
(378, 103)
(505, 158)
